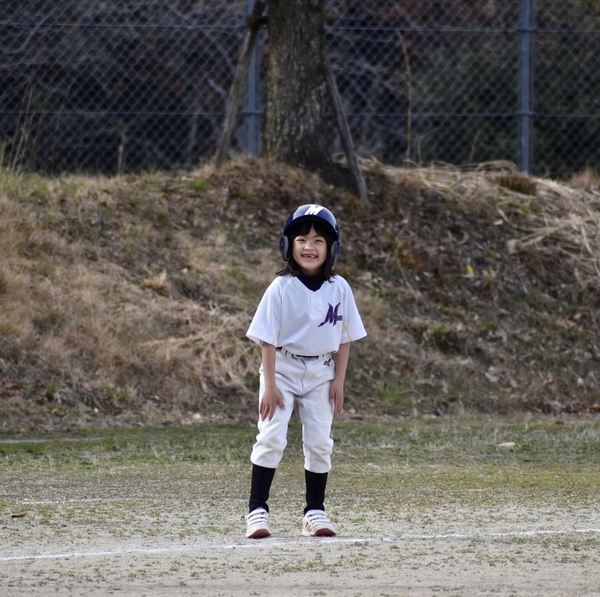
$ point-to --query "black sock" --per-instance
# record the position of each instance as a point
(315, 490)
(262, 478)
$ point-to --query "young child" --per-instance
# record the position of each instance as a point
(304, 325)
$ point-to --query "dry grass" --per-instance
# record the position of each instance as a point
(127, 300)
(556, 219)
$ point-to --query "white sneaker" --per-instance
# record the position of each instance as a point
(316, 524)
(257, 524)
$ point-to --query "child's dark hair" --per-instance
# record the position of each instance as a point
(300, 229)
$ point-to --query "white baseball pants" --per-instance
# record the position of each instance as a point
(306, 382)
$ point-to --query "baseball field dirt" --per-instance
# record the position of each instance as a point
(444, 506)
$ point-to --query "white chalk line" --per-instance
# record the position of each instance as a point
(274, 543)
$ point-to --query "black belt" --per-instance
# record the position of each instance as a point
(298, 356)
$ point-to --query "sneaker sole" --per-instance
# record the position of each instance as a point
(319, 533)
(259, 534)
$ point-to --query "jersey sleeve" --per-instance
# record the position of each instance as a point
(266, 323)
(353, 328)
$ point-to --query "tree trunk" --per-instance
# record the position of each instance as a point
(295, 125)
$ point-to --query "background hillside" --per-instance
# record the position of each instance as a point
(126, 300)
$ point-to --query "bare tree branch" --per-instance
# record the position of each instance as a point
(237, 88)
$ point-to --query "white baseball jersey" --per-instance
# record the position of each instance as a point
(307, 322)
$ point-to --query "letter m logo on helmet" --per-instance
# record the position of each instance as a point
(313, 210)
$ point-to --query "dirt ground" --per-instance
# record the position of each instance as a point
(134, 545)
(161, 513)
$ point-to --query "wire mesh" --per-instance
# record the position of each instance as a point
(116, 85)
(121, 86)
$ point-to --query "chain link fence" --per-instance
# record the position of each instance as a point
(120, 86)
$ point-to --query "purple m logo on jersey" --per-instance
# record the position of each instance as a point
(332, 316)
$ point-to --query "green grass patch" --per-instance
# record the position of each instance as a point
(459, 458)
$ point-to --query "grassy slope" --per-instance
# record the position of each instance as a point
(126, 300)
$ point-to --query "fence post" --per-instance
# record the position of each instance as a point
(525, 112)
(251, 109)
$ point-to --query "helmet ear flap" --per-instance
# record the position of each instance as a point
(336, 249)
(284, 246)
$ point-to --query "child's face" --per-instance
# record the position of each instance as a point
(310, 252)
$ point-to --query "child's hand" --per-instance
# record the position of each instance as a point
(270, 400)
(336, 395)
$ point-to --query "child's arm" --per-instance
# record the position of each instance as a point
(271, 397)
(337, 387)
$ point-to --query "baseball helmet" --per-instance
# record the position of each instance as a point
(315, 213)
